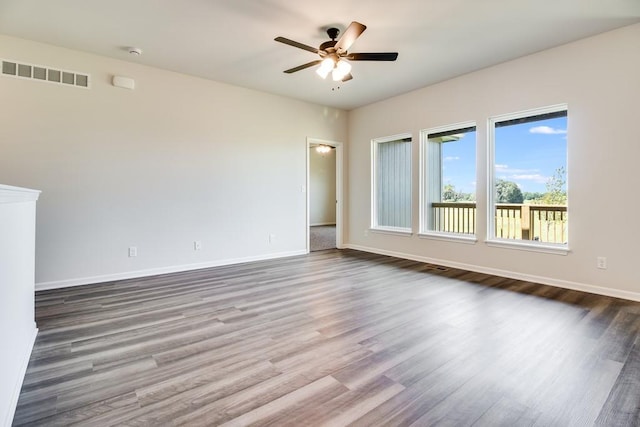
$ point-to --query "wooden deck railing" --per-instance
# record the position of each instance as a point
(544, 223)
(548, 223)
(454, 217)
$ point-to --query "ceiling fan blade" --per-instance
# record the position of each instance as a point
(303, 66)
(296, 44)
(347, 77)
(373, 56)
(350, 35)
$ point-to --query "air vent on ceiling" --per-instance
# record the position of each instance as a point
(45, 74)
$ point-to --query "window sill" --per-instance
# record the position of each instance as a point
(468, 239)
(393, 231)
(531, 247)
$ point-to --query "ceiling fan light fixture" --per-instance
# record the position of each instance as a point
(341, 70)
(323, 149)
(325, 67)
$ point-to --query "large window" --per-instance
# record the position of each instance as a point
(391, 178)
(528, 192)
(448, 165)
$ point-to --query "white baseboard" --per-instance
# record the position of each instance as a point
(161, 270)
(565, 284)
(322, 223)
(21, 373)
(616, 293)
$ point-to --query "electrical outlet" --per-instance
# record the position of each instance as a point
(133, 251)
(601, 262)
(272, 238)
(197, 245)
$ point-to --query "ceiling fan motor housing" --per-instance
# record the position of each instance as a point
(328, 46)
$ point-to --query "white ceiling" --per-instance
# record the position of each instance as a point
(232, 40)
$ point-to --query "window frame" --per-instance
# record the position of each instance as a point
(425, 184)
(375, 227)
(518, 244)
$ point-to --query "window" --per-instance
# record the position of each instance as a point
(391, 189)
(448, 180)
(528, 197)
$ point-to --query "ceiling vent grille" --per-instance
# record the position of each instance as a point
(45, 74)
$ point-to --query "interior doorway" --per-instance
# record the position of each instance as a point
(324, 194)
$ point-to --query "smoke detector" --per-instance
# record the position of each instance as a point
(135, 51)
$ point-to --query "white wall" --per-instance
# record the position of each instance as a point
(176, 160)
(322, 187)
(17, 323)
(598, 78)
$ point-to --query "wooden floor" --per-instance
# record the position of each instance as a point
(332, 338)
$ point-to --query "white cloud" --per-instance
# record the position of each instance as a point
(536, 177)
(546, 130)
(505, 169)
(451, 158)
(512, 174)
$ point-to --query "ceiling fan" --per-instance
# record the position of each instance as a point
(333, 53)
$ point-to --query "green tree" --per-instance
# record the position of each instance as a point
(532, 196)
(556, 193)
(466, 197)
(508, 192)
(449, 193)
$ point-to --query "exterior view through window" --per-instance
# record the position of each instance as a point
(449, 167)
(392, 183)
(529, 176)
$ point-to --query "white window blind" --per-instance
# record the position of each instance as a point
(393, 184)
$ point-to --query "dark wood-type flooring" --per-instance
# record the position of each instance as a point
(332, 338)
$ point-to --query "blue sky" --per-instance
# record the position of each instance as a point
(527, 154)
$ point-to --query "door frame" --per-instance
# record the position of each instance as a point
(339, 189)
